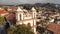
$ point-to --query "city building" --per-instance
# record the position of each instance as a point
(55, 28)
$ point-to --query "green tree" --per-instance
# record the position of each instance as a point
(6, 8)
(20, 29)
(2, 20)
(43, 26)
(28, 7)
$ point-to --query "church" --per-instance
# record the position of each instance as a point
(26, 17)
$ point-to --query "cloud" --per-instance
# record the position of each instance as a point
(12, 2)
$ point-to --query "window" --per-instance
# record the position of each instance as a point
(34, 15)
(20, 16)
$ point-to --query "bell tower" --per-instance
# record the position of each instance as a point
(34, 18)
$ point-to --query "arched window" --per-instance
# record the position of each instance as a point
(20, 16)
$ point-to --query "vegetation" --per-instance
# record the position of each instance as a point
(20, 29)
(2, 20)
(42, 28)
(28, 7)
(6, 8)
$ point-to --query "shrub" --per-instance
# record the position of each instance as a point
(20, 29)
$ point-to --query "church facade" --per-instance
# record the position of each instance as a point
(27, 17)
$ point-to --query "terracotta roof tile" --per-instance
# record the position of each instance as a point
(54, 27)
(3, 12)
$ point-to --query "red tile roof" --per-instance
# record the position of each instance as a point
(54, 27)
(3, 12)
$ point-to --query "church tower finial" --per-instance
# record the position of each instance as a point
(19, 9)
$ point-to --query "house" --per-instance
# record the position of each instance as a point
(3, 12)
(55, 28)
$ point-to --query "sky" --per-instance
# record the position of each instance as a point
(16, 2)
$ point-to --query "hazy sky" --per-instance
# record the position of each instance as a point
(13, 2)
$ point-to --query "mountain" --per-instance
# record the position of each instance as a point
(36, 4)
